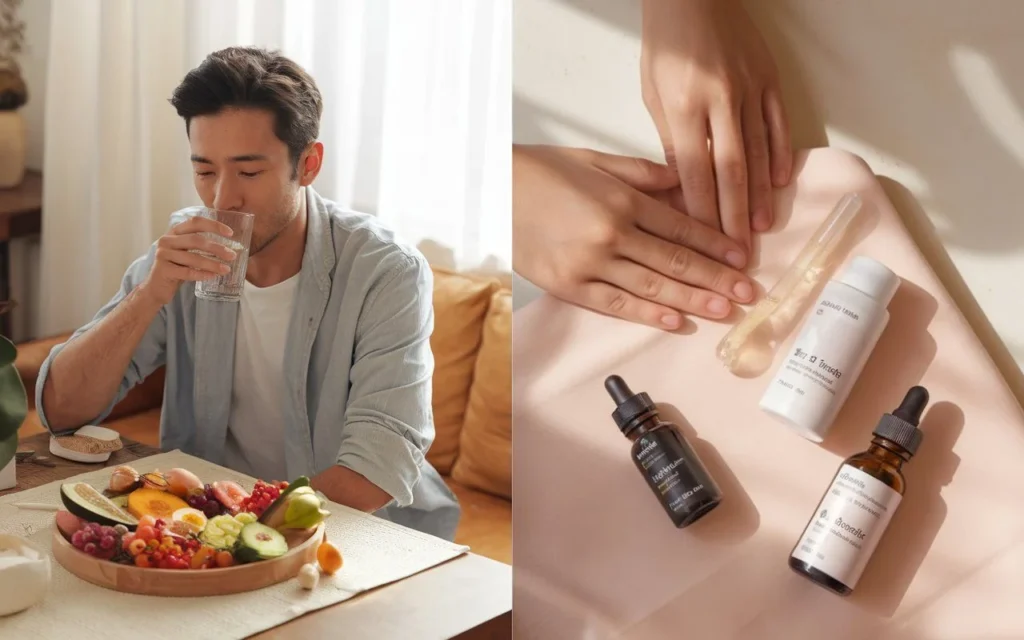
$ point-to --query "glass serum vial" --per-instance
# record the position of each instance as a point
(855, 511)
(665, 459)
(834, 344)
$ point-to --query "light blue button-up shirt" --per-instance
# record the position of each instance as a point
(357, 365)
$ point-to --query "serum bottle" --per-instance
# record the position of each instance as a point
(664, 458)
(855, 511)
(834, 344)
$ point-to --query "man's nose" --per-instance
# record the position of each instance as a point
(228, 195)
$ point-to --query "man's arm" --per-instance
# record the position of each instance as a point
(388, 419)
(84, 377)
(82, 380)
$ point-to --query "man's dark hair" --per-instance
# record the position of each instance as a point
(249, 77)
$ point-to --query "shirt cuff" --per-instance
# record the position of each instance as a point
(383, 457)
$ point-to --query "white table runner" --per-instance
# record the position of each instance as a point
(376, 552)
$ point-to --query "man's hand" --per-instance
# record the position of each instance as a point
(706, 73)
(175, 263)
(588, 231)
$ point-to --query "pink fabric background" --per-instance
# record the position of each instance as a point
(594, 554)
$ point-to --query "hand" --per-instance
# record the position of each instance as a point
(707, 73)
(586, 232)
(175, 263)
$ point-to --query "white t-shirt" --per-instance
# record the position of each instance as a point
(256, 432)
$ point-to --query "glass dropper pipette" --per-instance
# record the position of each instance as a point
(799, 279)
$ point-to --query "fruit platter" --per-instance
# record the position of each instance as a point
(171, 534)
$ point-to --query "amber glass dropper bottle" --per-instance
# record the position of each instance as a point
(665, 459)
(855, 511)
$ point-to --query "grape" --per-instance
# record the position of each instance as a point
(107, 542)
(211, 509)
(90, 548)
(121, 529)
(93, 527)
(78, 538)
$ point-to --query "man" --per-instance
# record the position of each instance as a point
(324, 367)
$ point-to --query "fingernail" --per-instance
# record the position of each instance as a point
(736, 259)
(743, 290)
(225, 268)
(762, 220)
(671, 321)
(719, 306)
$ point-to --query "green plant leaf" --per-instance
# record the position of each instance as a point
(8, 352)
(13, 399)
(8, 449)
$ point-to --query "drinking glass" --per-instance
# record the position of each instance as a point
(227, 287)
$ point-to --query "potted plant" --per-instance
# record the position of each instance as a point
(13, 96)
(13, 408)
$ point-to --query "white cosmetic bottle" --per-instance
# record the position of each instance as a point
(834, 344)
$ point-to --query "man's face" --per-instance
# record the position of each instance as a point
(240, 165)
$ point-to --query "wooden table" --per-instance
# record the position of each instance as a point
(469, 598)
(21, 214)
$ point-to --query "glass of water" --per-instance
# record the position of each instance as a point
(227, 287)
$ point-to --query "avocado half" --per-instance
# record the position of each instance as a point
(81, 499)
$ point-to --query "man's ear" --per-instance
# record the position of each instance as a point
(310, 164)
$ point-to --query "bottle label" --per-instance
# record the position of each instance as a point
(673, 470)
(847, 526)
(834, 343)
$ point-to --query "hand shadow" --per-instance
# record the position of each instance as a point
(897, 363)
(735, 518)
(921, 513)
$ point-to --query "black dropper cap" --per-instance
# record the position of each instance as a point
(901, 426)
(630, 405)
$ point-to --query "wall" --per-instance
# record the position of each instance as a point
(926, 91)
(25, 252)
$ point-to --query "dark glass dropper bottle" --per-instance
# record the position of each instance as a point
(856, 509)
(668, 463)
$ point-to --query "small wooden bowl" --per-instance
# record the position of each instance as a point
(186, 582)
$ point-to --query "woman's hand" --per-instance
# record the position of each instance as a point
(711, 87)
(591, 228)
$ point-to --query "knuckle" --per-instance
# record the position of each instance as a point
(733, 171)
(698, 183)
(607, 238)
(682, 231)
(679, 262)
(652, 286)
(721, 279)
(757, 145)
(615, 302)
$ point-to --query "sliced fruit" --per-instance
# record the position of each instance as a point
(155, 481)
(301, 481)
(121, 500)
(89, 504)
(153, 502)
(230, 494)
(192, 517)
(206, 555)
(259, 542)
(68, 523)
(222, 531)
(182, 482)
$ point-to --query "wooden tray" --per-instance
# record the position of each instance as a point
(185, 582)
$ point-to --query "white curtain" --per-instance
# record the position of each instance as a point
(417, 125)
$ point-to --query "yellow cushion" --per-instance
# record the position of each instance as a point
(460, 305)
(485, 450)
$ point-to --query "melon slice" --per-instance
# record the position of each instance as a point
(153, 502)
